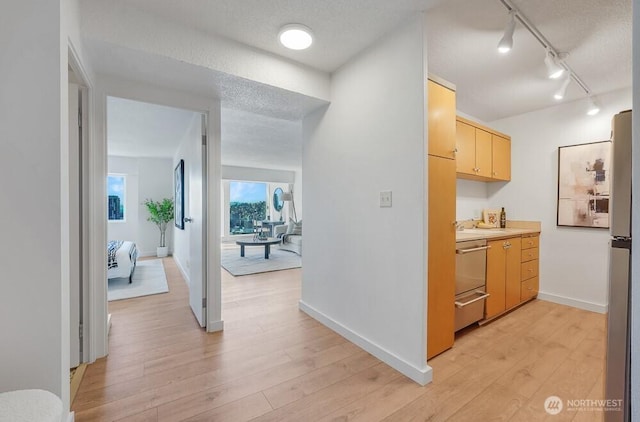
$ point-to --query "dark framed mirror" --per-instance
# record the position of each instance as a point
(278, 203)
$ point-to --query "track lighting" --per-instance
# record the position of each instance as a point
(563, 87)
(554, 70)
(506, 43)
(594, 106)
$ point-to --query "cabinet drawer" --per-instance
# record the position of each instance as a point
(529, 270)
(529, 254)
(530, 242)
(528, 289)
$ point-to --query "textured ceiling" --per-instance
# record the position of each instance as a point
(342, 28)
(137, 129)
(463, 35)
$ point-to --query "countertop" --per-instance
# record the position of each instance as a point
(492, 234)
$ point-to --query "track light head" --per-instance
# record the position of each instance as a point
(506, 43)
(594, 106)
(560, 93)
(554, 70)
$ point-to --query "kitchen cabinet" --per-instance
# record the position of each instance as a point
(529, 268)
(441, 207)
(473, 150)
(503, 275)
(481, 152)
(441, 118)
(500, 158)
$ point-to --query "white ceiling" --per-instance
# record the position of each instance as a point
(137, 129)
(462, 37)
(342, 28)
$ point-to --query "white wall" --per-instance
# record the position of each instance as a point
(34, 304)
(364, 266)
(471, 199)
(145, 178)
(573, 261)
(181, 246)
(155, 181)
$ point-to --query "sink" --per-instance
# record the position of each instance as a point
(482, 231)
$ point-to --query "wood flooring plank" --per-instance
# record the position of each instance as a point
(275, 363)
(238, 411)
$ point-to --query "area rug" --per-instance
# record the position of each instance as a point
(253, 261)
(148, 279)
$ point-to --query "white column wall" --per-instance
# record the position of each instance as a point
(364, 266)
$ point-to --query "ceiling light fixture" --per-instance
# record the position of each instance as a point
(506, 43)
(554, 70)
(594, 106)
(295, 36)
(560, 93)
(554, 60)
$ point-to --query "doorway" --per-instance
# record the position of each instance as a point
(156, 191)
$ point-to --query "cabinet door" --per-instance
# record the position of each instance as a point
(442, 255)
(512, 272)
(465, 148)
(501, 158)
(441, 117)
(496, 262)
(483, 153)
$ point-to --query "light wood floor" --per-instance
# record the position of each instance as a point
(274, 363)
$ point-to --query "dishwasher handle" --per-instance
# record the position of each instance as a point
(464, 251)
(483, 295)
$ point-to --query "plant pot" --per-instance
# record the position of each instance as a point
(162, 251)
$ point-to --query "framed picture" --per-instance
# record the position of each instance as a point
(584, 185)
(178, 185)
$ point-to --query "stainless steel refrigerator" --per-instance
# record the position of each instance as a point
(617, 376)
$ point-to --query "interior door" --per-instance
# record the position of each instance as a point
(197, 230)
(75, 231)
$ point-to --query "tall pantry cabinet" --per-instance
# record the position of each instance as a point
(441, 120)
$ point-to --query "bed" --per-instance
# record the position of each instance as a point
(121, 259)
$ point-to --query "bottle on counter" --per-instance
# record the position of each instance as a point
(503, 219)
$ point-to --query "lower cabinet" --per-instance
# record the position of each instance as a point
(529, 268)
(503, 275)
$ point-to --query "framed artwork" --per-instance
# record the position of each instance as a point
(178, 198)
(584, 185)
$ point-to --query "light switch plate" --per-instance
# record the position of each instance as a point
(385, 199)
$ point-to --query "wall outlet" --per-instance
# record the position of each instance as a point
(385, 199)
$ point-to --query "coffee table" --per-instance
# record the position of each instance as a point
(266, 243)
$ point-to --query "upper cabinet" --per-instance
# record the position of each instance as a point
(481, 153)
(441, 120)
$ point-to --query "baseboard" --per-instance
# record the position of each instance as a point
(421, 376)
(71, 417)
(184, 273)
(580, 304)
(214, 326)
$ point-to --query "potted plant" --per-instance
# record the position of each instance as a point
(161, 213)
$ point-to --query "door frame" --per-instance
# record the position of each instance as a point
(86, 105)
(139, 91)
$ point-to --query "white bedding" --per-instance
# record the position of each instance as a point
(124, 262)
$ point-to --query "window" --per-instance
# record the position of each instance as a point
(116, 197)
(247, 203)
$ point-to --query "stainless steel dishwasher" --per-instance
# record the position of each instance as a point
(471, 295)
